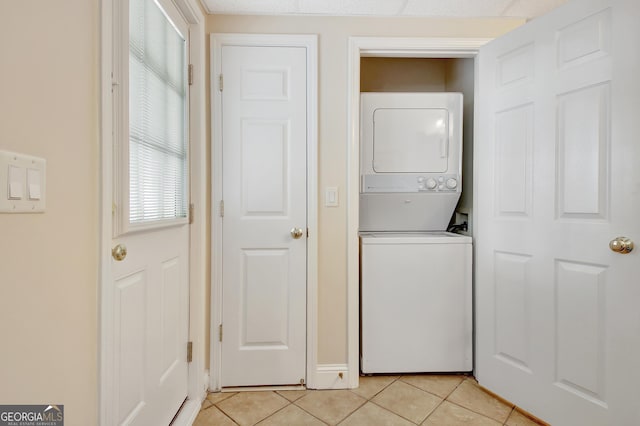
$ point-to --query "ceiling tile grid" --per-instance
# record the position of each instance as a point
(421, 8)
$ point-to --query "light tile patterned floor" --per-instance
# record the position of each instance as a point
(434, 400)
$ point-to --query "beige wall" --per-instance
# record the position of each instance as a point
(402, 75)
(333, 44)
(460, 78)
(48, 262)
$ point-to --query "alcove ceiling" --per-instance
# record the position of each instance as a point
(393, 8)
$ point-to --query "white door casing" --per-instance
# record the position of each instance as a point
(556, 324)
(265, 168)
(379, 47)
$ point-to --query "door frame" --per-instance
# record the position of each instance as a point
(197, 382)
(310, 42)
(397, 47)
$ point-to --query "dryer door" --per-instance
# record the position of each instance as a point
(410, 140)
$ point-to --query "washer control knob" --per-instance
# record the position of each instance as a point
(452, 183)
(431, 183)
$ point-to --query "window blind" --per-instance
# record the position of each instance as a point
(157, 116)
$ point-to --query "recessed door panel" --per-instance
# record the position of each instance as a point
(512, 311)
(265, 168)
(583, 146)
(515, 66)
(265, 299)
(580, 328)
(514, 149)
(130, 341)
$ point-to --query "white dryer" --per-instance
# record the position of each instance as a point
(410, 160)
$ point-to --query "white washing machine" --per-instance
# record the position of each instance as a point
(416, 302)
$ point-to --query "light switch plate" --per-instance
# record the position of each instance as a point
(22, 183)
(331, 196)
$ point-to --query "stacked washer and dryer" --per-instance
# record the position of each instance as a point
(416, 295)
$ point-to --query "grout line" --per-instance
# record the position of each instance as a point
(475, 412)
(510, 413)
(225, 414)
(353, 411)
(396, 414)
(377, 393)
(302, 408)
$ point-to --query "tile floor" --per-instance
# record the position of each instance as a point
(380, 400)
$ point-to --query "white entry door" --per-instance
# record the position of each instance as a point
(264, 140)
(148, 296)
(557, 150)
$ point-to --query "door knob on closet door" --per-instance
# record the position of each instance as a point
(296, 233)
(621, 245)
(119, 252)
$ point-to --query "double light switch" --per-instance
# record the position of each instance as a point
(22, 180)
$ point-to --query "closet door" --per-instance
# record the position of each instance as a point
(557, 180)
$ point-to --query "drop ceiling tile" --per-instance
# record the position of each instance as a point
(263, 7)
(352, 7)
(531, 9)
(455, 8)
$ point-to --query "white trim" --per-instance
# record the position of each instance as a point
(198, 258)
(328, 376)
(310, 42)
(188, 413)
(197, 382)
(377, 46)
(263, 388)
(105, 299)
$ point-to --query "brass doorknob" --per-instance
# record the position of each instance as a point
(119, 252)
(296, 233)
(621, 245)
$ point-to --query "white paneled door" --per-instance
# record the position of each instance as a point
(148, 297)
(558, 329)
(264, 234)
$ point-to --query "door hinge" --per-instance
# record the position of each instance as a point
(189, 351)
(191, 208)
(190, 74)
(220, 82)
(220, 332)
(221, 208)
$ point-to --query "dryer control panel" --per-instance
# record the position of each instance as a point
(411, 183)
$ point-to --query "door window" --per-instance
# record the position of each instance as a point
(157, 116)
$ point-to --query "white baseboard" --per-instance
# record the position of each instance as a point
(188, 413)
(205, 382)
(332, 376)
